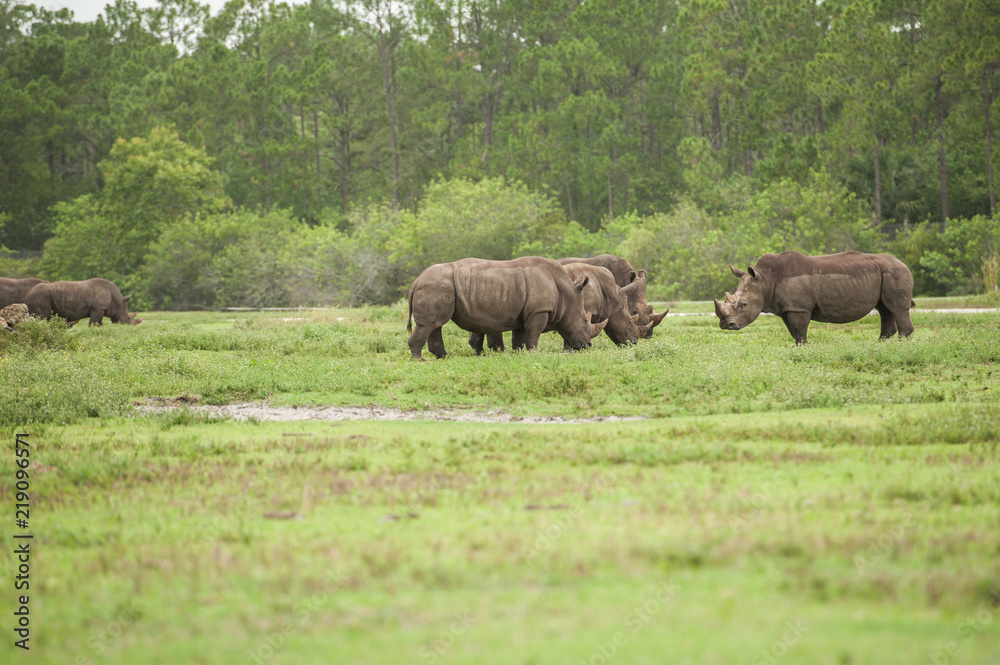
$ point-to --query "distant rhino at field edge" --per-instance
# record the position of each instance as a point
(15, 290)
(625, 275)
(836, 288)
(93, 298)
(528, 296)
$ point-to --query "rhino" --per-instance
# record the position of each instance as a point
(94, 298)
(625, 275)
(605, 300)
(836, 288)
(528, 296)
(14, 290)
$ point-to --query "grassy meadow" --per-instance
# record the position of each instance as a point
(759, 503)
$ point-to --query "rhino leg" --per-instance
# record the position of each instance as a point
(421, 335)
(96, 317)
(476, 342)
(517, 339)
(435, 343)
(888, 321)
(797, 324)
(534, 326)
(495, 341)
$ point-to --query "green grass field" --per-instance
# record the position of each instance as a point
(832, 503)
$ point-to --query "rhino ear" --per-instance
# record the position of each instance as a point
(579, 287)
(736, 271)
(641, 274)
(632, 276)
(128, 297)
(753, 273)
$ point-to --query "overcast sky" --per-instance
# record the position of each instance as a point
(85, 11)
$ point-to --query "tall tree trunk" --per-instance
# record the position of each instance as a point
(942, 163)
(988, 101)
(387, 79)
(716, 124)
(569, 197)
(319, 165)
(822, 126)
(878, 178)
(488, 109)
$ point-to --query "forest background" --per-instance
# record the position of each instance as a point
(325, 153)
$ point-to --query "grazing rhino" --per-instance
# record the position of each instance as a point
(605, 300)
(528, 296)
(94, 298)
(15, 290)
(625, 275)
(837, 288)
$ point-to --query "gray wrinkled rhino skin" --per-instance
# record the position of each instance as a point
(16, 290)
(836, 288)
(625, 275)
(91, 299)
(527, 296)
(605, 300)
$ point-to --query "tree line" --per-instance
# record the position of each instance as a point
(384, 135)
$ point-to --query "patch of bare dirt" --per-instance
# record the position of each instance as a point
(260, 411)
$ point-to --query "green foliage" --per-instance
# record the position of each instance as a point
(151, 184)
(955, 261)
(35, 336)
(489, 219)
(686, 251)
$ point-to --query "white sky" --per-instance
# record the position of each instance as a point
(86, 11)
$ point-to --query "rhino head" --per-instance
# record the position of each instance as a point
(576, 328)
(638, 307)
(122, 315)
(742, 308)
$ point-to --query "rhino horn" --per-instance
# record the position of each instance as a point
(720, 309)
(730, 298)
(136, 322)
(630, 287)
(736, 271)
(597, 328)
(657, 318)
(635, 318)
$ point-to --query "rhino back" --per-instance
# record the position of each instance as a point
(619, 267)
(493, 296)
(836, 288)
(14, 290)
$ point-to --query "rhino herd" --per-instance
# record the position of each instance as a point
(580, 297)
(576, 297)
(91, 299)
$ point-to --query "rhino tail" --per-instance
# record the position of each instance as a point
(409, 315)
